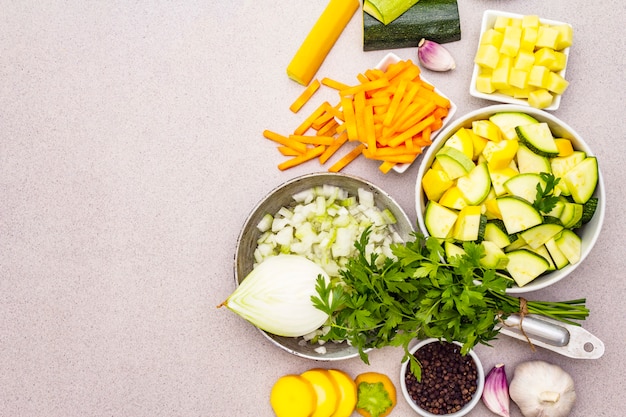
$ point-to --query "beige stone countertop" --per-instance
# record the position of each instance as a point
(131, 153)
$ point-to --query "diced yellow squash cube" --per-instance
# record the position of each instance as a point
(483, 82)
(511, 42)
(524, 60)
(540, 98)
(487, 129)
(462, 141)
(487, 56)
(492, 37)
(501, 23)
(530, 21)
(529, 38)
(478, 143)
(515, 22)
(547, 37)
(435, 183)
(556, 83)
(492, 211)
(564, 146)
(453, 198)
(565, 38)
(522, 92)
(538, 76)
(548, 57)
(518, 78)
(500, 75)
(500, 154)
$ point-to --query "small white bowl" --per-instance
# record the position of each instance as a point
(489, 18)
(589, 232)
(467, 408)
(391, 58)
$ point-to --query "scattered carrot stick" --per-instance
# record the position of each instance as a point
(308, 122)
(386, 166)
(329, 82)
(330, 150)
(285, 141)
(347, 158)
(287, 151)
(313, 140)
(305, 96)
(297, 160)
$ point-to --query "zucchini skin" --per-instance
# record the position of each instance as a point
(435, 20)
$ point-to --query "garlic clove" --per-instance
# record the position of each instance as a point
(434, 56)
(496, 391)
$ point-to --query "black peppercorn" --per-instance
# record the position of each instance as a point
(449, 379)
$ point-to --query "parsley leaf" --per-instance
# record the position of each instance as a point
(545, 200)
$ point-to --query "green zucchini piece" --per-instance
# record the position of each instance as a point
(435, 20)
(524, 266)
(538, 138)
(581, 181)
(589, 209)
(386, 11)
(509, 120)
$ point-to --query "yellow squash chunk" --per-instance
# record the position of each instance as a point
(321, 39)
(483, 82)
(500, 75)
(524, 60)
(462, 141)
(487, 56)
(467, 224)
(326, 390)
(293, 396)
(501, 23)
(529, 38)
(565, 146)
(565, 37)
(453, 198)
(556, 83)
(492, 211)
(547, 37)
(511, 42)
(435, 183)
(540, 98)
(492, 37)
(553, 60)
(501, 157)
(518, 78)
(538, 76)
(499, 177)
(530, 21)
(478, 143)
(487, 129)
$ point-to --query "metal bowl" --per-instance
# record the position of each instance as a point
(589, 232)
(282, 196)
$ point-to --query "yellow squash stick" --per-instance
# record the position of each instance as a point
(321, 39)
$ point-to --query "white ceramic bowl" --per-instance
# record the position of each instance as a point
(467, 408)
(282, 196)
(391, 58)
(489, 18)
(589, 232)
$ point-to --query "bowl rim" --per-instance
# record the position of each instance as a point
(597, 222)
(344, 350)
(467, 407)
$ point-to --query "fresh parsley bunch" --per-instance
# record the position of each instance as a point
(381, 301)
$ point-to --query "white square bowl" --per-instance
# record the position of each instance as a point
(489, 19)
(392, 59)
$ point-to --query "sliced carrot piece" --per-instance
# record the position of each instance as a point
(334, 84)
(347, 158)
(313, 140)
(308, 122)
(297, 160)
(285, 141)
(287, 151)
(305, 96)
(386, 166)
(330, 150)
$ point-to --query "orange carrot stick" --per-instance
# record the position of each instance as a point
(305, 96)
(346, 159)
(336, 85)
(285, 141)
(308, 122)
(313, 140)
(330, 150)
(297, 160)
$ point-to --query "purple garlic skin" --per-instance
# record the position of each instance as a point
(434, 56)
(496, 392)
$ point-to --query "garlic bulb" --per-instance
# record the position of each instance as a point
(541, 389)
(276, 296)
(496, 391)
(434, 56)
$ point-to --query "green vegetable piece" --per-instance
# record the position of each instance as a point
(387, 11)
(374, 398)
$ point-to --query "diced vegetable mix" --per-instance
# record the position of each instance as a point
(322, 224)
